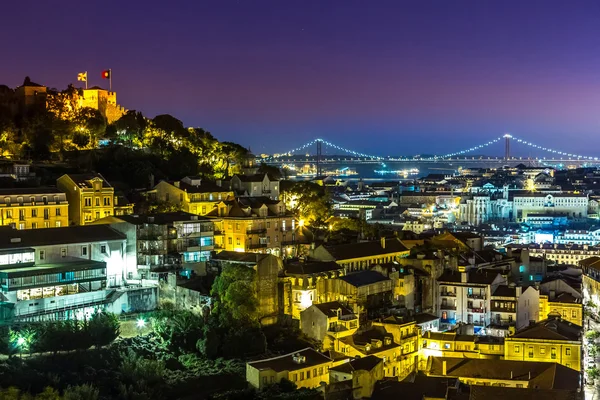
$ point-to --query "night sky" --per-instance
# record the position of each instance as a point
(382, 77)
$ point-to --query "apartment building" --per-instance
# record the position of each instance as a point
(591, 278)
(361, 256)
(550, 340)
(304, 284)
(306, 368)
(257, 224)
(90, 197)
(466, 296)
(194, 194)
(69, 272)
(503, 308)
(328, 322)
(257, 185)
(176, 240)
(34, 208)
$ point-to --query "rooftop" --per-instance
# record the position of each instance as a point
(37, 190)
(12, 238)
(286, 362)
(550, 329)
(358, 364)
(239, 257)
(479, 276)
(82, 180)
(162, 219)
(363, 278)
(365, 249)
(330, 309)
(311, 267)
(540, 374)
(508, 393)
(43, 269)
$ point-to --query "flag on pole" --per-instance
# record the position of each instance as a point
(106, 74)
(82, 76)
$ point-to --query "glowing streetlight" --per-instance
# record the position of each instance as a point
(140, 323)
(21, 341)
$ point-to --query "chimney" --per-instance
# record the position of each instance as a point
(444, 367)
(176, 183)
(383, 243)
(218, 182)
(511, 374)
(518, 291)
(151, 177)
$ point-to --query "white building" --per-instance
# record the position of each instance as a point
(574, 206)
(465, 296)
(62, 273)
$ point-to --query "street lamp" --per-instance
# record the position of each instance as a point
(140, 323)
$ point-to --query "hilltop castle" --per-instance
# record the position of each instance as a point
(30, 94)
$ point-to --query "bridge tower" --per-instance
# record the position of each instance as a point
(319, 152)
(507, 138)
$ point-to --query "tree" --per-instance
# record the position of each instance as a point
(103, 328)
(309, 202)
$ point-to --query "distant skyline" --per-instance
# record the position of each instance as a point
(381, 77)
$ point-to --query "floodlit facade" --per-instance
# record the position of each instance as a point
(90, 197)
(34, 208)
(194, 194)
(64, 273)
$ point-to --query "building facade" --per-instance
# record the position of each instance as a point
(34, 208)
(90, 197)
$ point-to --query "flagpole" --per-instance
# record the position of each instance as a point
(110, 80)
(86, 77)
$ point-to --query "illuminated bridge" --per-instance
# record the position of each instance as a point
(312, 152)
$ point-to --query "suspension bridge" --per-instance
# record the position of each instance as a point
(312, 152)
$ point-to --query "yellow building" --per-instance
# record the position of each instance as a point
(566, 305)
(360, 256)
(307, 368)
(504, 373)
(33, 208)
(90, 197)
(551, 340)
(195, 195)
(257, 224)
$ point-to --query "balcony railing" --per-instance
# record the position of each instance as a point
(476, 310)
(448, 294)
(476, 296)
(447, 307)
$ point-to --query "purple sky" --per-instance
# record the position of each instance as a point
(382, 77)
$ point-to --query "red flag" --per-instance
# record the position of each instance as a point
(106, 74)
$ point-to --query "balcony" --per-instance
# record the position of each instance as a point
(447, 307)
(476, 296)
(448, 294)
(476, 310)
(218, 232)
(256, 231)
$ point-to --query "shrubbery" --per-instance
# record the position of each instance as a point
(101, 329)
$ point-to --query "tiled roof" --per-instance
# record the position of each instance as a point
(505, 291)
(161, 219)
(12, 238)
(204, 187)
(311, 267)
(330, 308)
(550, 329)
(241, 257)
(287, 363)
(365, 249)
(82, 179)
(37, 190)
(363, 278)
(420, 387)
(358, 364)
(544, 375)
(481, 277)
